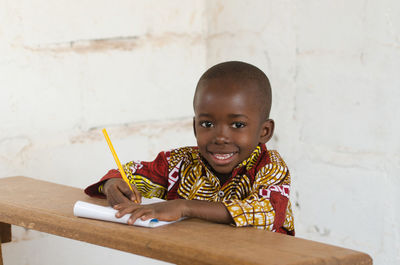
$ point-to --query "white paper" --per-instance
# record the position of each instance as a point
(107, 213)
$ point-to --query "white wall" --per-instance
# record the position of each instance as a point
(69, 69)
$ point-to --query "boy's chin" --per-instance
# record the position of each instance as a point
(219, 170)
(221, 167)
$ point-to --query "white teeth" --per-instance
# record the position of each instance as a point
(223, 156)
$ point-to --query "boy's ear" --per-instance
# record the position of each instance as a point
(194, 126)
(267, 130)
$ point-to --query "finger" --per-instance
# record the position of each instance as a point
(126, 191)
(137, 214)
(138, 195)
(111, 199)
(116, 197)
(134, 194)
(125, 209)
(123, 205)
(147, 216)
(119, 196)
(117, 207)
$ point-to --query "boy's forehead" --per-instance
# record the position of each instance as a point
(227, 96)
(226, 87)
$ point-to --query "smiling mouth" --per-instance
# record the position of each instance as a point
(223, 156)
(222, 159)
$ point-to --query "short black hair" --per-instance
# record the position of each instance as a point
(242, 71)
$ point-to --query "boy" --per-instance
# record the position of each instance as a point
(230, 177)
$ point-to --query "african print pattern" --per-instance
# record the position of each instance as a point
(252, 160)
(257, 209)
(146, 187)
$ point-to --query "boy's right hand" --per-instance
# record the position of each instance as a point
(117, 191)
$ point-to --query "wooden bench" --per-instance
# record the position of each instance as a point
(47, 207)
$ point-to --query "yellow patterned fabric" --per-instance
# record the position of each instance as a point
(257, 194)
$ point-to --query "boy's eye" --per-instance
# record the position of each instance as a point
(238, 125)
(206, 124)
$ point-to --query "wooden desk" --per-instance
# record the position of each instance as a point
(47, 207)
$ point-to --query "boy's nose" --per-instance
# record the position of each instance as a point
(221, 136)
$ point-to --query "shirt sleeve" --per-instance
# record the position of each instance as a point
(267, 207)
(150, 178)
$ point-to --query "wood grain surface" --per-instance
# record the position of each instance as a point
(48, 207)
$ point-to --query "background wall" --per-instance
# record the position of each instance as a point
(69, 69)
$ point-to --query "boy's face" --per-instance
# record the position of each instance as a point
(228, 124)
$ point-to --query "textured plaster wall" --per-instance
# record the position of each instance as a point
(69, 69)
(334, 68)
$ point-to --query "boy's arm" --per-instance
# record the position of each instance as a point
(210, 211)
(175, 209)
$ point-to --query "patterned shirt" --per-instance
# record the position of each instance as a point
(256, 194)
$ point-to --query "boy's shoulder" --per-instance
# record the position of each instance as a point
(272, 169)
(175, 156)
(276, 158)
(270, 161)
(183, 151)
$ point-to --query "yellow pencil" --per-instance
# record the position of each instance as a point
(121, 170)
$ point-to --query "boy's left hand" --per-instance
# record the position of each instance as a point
(164, 211)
